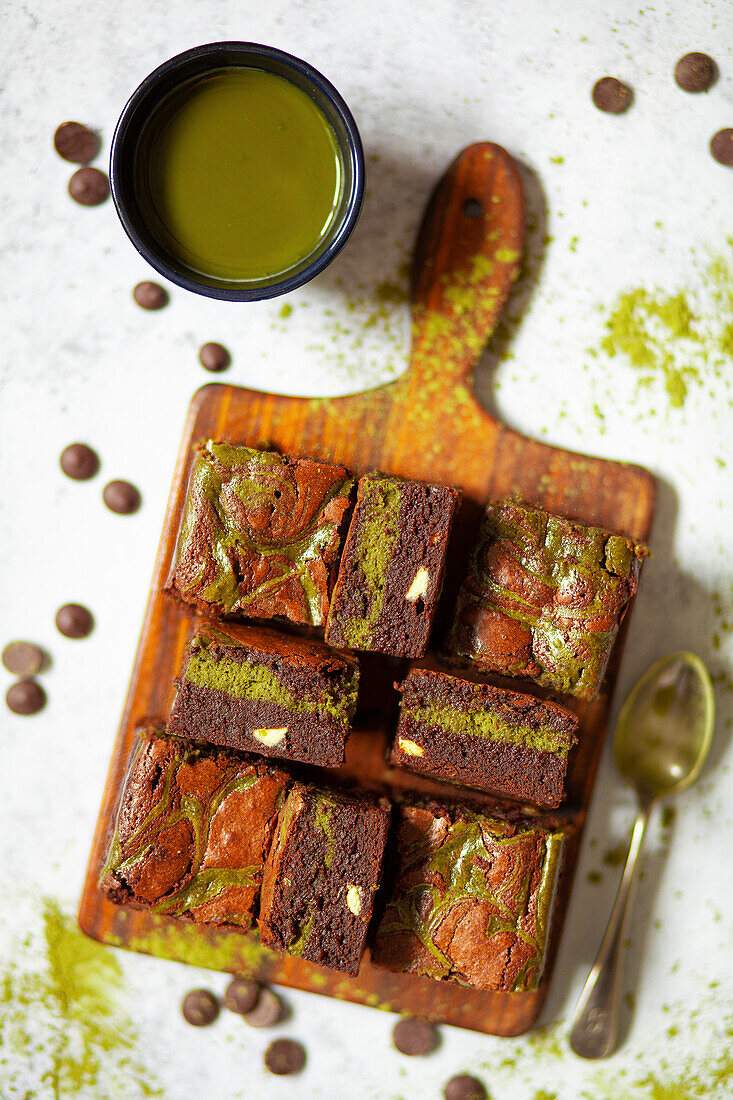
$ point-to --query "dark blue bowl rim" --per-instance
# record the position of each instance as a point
(250, 50)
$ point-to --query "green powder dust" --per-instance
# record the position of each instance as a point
(62, 1031)
(676, 339)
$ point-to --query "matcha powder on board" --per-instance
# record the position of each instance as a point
(62, 1031)
(677, 339)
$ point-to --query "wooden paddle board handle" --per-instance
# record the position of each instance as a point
(467, 257)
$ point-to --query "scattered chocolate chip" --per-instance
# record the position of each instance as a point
(200, 1008)
(414, 1037)
(121, 497)
(611, 96)
(79, 461)
(89, 186)
(76, 142)
(26, 697)
(472, 208)
(74, 621)
(214, 357)
(22, 658)
(464, 1087)
(241, 996)
(284, 1056)
(150, 295)
(721, 146)
(266, 1012)
(695, 72)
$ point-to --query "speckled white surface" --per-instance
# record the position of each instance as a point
(634, 201)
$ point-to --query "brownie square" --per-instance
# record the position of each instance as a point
(260, 534)
(250, 688)
(469, 898)
(321, 875)
(391, 571)
(544, 598)
(484, 737)
(192, 831)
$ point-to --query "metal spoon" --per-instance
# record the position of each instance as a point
(662, 737)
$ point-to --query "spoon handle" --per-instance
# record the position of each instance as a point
(594, 1025)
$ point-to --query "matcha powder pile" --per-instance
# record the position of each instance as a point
(62, 1033)
(676, 339)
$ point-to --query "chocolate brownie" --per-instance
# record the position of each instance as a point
(544, 598)
(483, 736)
(321, 875)
(469, 897)
(192, 831)
(251, 688)
(391, 572)
(260, 534)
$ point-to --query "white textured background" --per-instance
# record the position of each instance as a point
(633, 201)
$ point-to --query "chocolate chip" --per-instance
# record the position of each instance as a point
(76, 142)
(89, 186)
(721, 146)
(464, 1087)
(26, 697)
(22, 658)
(74, 621)
(214, 357)
(695, 72)
(266, 1012)
(241, 996)
(121, 497)
(611, 96)
(284, 1056)
(414, 1037)
(200, 1008)
(79, 461)
(150, 295)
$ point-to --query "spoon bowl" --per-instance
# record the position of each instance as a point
(665, 726)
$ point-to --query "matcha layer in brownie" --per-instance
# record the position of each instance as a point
(544, 598)
(250, 688)
(391, 572)
(260, 534)
(192, 831)
(468, 897)
(321, 875)
(482, 736)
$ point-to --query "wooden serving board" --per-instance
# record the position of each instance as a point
(426, 425)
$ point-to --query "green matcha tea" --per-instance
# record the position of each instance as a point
(239, 175)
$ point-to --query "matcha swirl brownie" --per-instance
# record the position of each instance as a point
(254, 689)
(468, 897)
(192, 831)
(321, 875)
(544, 598)
(391, 571)
(260, 534)
(482, 736)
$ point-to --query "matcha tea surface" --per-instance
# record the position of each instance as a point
(239, 174)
